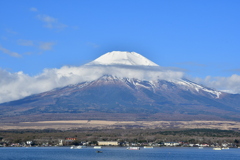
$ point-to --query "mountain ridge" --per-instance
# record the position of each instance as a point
(120, 97)
(111, 95)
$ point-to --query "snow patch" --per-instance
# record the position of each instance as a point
(197, 87)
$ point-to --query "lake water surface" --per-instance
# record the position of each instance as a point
(118, 153)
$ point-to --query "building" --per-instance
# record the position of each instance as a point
(71, 139)
(107, 143)
(29, 142)
(171, 144)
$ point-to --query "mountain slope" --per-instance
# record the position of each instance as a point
(131, 87)
(144, 99)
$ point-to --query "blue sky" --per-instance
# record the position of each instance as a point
(201, 37)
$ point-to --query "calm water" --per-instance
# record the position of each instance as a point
(63, 153)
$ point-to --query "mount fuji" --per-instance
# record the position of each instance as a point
(127, 86)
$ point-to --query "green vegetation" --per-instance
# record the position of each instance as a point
(53, 137)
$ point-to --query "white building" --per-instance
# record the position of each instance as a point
(107, 143)
(29, 142)
(171, 144)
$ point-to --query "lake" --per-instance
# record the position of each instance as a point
(116, 153)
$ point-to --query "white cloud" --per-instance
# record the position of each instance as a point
(94, 45)
(18, 85)
(50, 22)
(140, 72)
(228, 84)
(33, 9)
(13, 54)
(23, 42)
(10, 85)
(47, 19)
(46, 45)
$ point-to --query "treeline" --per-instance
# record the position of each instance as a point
(53, 137)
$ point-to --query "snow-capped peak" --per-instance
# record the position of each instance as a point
(122, 58)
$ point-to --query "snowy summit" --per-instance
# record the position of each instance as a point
(122, 58)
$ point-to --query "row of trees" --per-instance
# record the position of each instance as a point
(53, 137)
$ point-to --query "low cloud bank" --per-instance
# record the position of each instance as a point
(227, 84)
(17, 85)
(14, 86)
